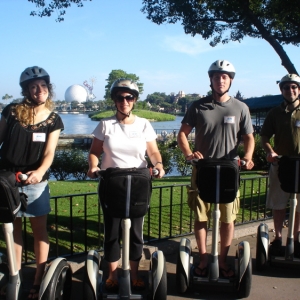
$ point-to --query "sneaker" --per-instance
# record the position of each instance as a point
(138, 284)
(276, 248)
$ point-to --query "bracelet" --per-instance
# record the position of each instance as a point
(189, 155)
(159, 162)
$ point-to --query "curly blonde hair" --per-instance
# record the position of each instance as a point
(24, 111)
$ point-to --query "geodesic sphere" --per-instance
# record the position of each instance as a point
(76, 92)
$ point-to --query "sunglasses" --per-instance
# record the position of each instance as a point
(120, 98)
(288, 87)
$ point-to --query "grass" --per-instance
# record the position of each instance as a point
(147, 114)
(169, 213)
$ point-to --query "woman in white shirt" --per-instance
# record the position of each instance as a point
(123, 140)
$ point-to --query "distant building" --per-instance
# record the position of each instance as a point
(181, 94)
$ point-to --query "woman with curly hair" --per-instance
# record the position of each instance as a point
(29, 133)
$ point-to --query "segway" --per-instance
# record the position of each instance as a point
(57, 278)
(9, 273)
(185, 276)
(288, 173)
(93, 285)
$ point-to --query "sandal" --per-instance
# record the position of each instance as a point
(111, 285)
(34, 292)
(224, 273)
(138, 284)
(202, 272)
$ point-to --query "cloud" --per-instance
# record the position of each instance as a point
(192, 45)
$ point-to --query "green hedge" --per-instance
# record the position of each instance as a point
(73, 163)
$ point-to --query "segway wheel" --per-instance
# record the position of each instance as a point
(159, 276)
(91, 276)
(246, 281)
(181, 278)
(60, 285)
(4, 273)
(261, 255)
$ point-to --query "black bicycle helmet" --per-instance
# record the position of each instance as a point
(33, 73)
(126, 85)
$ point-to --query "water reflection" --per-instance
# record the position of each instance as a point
(82, 124)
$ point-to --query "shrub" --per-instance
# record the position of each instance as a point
(166, 155)
(69, 163)
(259, 155)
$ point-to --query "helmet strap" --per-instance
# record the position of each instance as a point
(126, 115)
(32, 103)
(219, 94)
(290, 102)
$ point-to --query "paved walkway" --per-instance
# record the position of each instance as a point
(274, 283)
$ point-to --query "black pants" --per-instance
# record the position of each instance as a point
(113, 236)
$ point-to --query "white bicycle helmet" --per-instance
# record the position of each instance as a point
(289, 78)
(33, 73)
(124, 84)
(223, 66)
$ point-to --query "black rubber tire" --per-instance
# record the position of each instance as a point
(245, 284)
(60, 285)
(181, 279)
(88, 291)
(261, 256)
(161, 291)
(5, 272)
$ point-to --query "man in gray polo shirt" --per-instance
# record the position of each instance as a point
(220, 123)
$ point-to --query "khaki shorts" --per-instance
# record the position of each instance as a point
(203, 209)
(276, 198)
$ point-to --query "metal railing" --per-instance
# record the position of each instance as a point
(79, 228)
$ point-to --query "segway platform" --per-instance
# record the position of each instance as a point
(217, 182)
(289, 177)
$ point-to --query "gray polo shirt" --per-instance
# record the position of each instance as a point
(219, 126)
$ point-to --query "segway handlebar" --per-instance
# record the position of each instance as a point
(99, 173)
(154, 172)
(21, 177)
(195, 160)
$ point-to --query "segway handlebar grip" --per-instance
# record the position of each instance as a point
(155, 172)
(21, 177)
(99, 173)
(242, 163)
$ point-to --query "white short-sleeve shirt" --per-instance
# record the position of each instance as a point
(124, 145)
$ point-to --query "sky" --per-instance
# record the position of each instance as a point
(110, 35)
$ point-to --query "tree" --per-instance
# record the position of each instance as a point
(276, 21)
(6, 97)
(156, 98)
(116, 74)
(55, 5)
(239, 96)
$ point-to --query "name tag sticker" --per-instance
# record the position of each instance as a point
(297, 124)
(134, 134)
(229, 119)
(39, 137)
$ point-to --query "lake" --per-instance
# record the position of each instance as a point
(82, 124)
